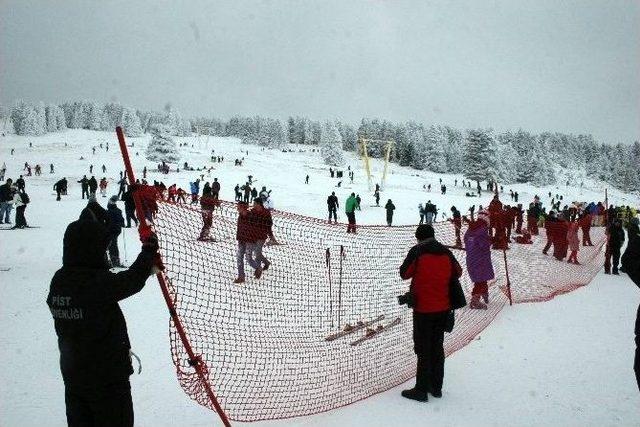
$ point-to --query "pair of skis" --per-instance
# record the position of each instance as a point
(369, 333)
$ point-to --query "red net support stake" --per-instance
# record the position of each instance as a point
(194, 360)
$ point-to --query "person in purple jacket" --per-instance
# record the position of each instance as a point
(479, 266)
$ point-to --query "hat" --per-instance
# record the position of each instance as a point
(85, 242)
(112, 200)
(484, 216)
(424, 231)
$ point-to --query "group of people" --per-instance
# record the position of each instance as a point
(14, 195)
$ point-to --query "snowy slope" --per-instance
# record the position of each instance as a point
(564, 362)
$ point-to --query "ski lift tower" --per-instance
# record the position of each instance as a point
(388, 144)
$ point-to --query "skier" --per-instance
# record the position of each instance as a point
(431, 268)
(84, 184)
(51, 168)
(358, 202)
(103, 187)
(93, 185)
(615, 240)
(389, 207)
(421, 213)
(246, 189)
(92, 334)
(104, 169)
(456, 219)
(479, 266)
(90, 168)
(429, 212)
(215, 189)
(376, 194)
(3, 171)
(144, 173)
(246, 238)
(350, 209)
(116, 222)
(306, 180)
(20, 183)
(6, 201)
(207, 205)
(59, 188)
(332, 206)
(129, 206)
(195, 190)
(238, 193)
(573, 242)
(20, 201)
(122, 186)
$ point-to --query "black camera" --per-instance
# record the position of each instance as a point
(406, 299)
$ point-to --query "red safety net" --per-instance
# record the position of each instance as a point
(263, 341)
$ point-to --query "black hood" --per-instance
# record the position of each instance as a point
(85, 242)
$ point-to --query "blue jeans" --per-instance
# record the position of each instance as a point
(5, 211)
(245, 250)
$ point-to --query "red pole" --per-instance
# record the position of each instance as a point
(194, 360)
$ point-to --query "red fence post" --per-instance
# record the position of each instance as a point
(194, 360)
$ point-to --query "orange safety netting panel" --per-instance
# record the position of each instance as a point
(263, 341)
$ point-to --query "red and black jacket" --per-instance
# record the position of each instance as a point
(430, 266)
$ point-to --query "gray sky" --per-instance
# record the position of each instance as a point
(568, 66)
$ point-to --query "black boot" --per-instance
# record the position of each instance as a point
(415, 394)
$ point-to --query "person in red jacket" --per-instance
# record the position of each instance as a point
(430, 266)
(585, 224)
(246, 237)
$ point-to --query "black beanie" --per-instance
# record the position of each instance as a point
(424, 231)
(85, 242)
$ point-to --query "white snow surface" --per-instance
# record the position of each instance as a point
(564, 362)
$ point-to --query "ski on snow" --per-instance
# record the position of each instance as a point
(349, 329)
(375, 332)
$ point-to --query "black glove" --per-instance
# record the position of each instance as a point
(151, 244)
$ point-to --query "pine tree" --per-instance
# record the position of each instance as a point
(331, 145)
(480, 156)
(162, 148)
(131, 123)
(435, 140)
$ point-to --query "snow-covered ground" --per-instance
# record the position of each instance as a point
(564, 362)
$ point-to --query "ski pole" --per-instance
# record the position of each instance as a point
(124, 243)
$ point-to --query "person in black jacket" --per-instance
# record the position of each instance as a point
(116, 222)
(6, 201)
(92, 333)
(130, 207)
(60, 187)
(93, 185)
(614, 243)
(389, 207)
(333, 205)
(631, 264)
(84, 183)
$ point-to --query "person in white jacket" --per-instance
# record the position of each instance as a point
(20, 201)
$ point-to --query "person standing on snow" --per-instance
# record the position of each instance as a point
(431, 268)
(207, 205)
(377, 196)
(456, 219)
(129, 206)
(84, 184)
(631, 266)
(573, 242)
(6, 201)
(195, 190)
(332, 206)
(94, 346)
(116, 222)
(389, 207)
(479, 265)
(215, 189)
(93, 185)
(103, 187)
(615, 240)
(245, 236)
(421, 212)
(20, 201)
(358, 201)
(59, 187)
(350, 210)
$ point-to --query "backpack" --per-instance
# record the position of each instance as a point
(25, 198)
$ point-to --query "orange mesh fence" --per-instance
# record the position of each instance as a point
(264, 342)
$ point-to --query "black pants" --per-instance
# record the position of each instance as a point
(85, 191)
(21, 221)
(428, 341)
(114, 253)
(332, 212)
(131, 215)
(108, 406)
(351, 227)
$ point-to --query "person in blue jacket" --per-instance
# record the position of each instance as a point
(195, 190)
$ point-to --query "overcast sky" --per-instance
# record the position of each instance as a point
(568, 66)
